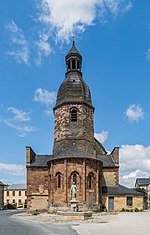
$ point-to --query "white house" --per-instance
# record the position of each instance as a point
(15, 194)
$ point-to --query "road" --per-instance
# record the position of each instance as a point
(13, 226)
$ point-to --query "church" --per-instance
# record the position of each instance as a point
(77, 156)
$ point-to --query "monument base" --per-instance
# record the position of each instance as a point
(74, 205)
(70, 216)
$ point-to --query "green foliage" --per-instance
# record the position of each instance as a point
(123, 210)
(36, 212)
(104, 209)
(136, 210)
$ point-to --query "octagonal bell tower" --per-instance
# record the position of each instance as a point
(73, 111)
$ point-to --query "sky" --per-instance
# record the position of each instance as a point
(113, 37)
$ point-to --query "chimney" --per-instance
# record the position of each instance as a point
(30, 155)
(115, 155)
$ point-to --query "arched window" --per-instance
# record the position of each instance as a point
(75, 178)
(73, 113)
(90, 181)
(59, 181)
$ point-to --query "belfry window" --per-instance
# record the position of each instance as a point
(78, 66)
(69, 65)
(73, 64)
(73, 113)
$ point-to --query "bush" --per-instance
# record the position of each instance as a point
(136, 210)
(36, 212)
(123, 210)
(104, 209)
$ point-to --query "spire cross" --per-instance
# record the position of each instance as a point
(73, 38)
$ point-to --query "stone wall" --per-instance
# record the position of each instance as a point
(82, 168)
(67, 132)
(37, 188)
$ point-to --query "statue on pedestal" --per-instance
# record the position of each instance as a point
(73, 191)
(74, 202)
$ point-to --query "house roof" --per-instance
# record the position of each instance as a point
(17, 187)
(1, 183)
(142, 181)
(40, 160)
(119, 190)
(107, 161)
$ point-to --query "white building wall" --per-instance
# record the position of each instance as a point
(18, 200)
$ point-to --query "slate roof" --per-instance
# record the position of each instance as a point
(73, 50)
(107, 161)
(73, 151)
(119, 190)
(16, 187)
(142, 181)
(41, 160)
(1, 183)
(73, 89)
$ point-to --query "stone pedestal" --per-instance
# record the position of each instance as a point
(74, 205)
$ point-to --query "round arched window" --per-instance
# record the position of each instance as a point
(73, 115)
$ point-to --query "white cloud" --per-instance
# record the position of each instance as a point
(43, 49)
(102, 136)
(57, 21)
(134, 112)
(148, 54)
(19, 115)
(22, 129)
(19, 45)
(18, 120)
(12, 169)
(68, 17)
(45, 97)
(134, 162)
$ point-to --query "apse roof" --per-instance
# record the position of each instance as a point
(73, 151)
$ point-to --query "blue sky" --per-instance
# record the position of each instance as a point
(113, 37)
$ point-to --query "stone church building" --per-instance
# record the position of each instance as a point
(77, 156)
